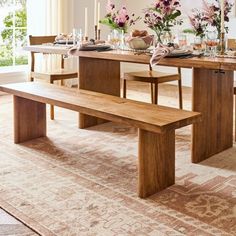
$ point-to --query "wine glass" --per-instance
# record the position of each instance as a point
(211, 43)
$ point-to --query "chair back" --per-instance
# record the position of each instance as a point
(38, 40)
(231, 44)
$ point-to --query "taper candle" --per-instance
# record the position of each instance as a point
(95, 12)
(222, 16)
(85, 21)
(99, 10)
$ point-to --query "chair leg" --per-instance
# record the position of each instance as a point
(180, 94)
(124, 88)
(152, 94)
(51, 107)
(156, 94)
(235, 120)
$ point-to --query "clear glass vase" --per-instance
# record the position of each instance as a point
(117, 39)
(164, 37)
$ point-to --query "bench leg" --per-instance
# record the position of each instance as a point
(29, 119)
(156, 162)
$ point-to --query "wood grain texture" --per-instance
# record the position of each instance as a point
(154, 78)
(127, 56)
(138, 114)
(29, 119)
(100, 76)
(156, 162)
(235, 110)
(156, 124)
(213, 96)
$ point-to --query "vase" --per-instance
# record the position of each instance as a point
(164, 37)
(117, 39)
(114, 38)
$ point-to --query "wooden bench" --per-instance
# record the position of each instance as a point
(156, 125)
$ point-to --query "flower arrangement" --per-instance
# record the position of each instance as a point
(209, 16)
(198, 23)
(162, 15)
(212, 14)
(118, 19)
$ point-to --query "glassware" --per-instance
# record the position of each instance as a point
(114, 39)
(211, 43)
(167, 37)
(197, 45)
(74, 36)
(79, 37)
(182, 38)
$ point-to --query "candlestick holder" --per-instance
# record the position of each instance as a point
(99, 34)
(222, 43)
(96, 32)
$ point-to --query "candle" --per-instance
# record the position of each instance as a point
(86, 22)
(99, 9)
(222, 16)
(95, 12)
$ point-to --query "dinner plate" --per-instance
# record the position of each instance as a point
(95, 47)
(179, 53)
(64, 42)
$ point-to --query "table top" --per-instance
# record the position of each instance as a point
(128, 56)
(49, 49)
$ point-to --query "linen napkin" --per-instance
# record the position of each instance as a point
(160, 52)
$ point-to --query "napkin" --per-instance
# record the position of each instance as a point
(160, 52)
(73, 51)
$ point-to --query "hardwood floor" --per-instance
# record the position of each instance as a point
(10, 226)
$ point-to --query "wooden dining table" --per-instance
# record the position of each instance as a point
(212, 91)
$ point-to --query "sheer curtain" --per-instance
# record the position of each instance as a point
(48, 17)
(51, 17)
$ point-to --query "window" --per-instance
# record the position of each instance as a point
(13, 32)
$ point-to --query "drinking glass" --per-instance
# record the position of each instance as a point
(182, 41)
(197, 45)
(211, 43)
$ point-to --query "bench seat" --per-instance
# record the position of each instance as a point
(156, 124)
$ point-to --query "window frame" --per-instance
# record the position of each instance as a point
(14, 28)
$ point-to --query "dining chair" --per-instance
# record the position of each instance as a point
(50, 76)
(235, 111)
(231, 44)
(154, 78)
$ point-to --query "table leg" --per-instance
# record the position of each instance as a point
(29, 119)
(156, 162)
(213, 97)
(100, 76)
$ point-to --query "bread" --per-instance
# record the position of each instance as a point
(139, 33)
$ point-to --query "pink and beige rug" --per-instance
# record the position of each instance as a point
(83, 182)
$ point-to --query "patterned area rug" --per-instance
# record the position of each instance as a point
(83, 182)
